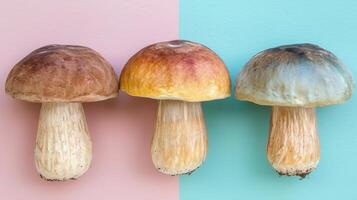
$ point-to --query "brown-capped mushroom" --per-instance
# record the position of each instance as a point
(61, 77)
(180, 74)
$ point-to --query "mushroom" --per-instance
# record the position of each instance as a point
(294, 79)
(180, 74)
(61, 77)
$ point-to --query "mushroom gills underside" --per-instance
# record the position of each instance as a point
(179, 145)
(293, 148)
(63, 148)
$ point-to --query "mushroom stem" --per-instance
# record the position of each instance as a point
(63, 147)
(179, 145)
(293, 148)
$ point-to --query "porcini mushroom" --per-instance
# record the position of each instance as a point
(294, 79)
(180, 74)
(61, 77)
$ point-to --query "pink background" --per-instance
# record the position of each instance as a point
(121, 128)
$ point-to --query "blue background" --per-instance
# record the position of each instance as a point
(236, 166)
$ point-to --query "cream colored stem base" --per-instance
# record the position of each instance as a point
(293, 147)
(63, 147)
(179, 145)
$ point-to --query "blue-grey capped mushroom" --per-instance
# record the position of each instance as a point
(294, 79)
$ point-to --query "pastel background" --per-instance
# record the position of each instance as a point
(236, 167)
(121, 129)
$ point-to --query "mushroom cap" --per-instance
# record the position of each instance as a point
(177, 70)
(62, 73)
(294, 75)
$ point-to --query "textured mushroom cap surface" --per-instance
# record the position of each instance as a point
(62, 73)
(179, 70)
(294, 75)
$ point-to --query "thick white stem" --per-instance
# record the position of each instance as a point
(179, 145)
(63, 147)
(293, 147)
